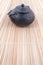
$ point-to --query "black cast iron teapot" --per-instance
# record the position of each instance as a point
(22, 15)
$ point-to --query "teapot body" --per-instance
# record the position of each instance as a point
(22, 18)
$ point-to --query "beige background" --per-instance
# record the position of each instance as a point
(21, 46)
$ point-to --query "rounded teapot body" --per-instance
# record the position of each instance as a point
(21, 16)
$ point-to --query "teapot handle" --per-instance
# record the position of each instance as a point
(12, 13)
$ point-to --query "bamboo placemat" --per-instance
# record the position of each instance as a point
(21, 46)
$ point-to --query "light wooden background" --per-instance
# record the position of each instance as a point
(21, 46)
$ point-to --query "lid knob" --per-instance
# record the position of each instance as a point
(22, 5)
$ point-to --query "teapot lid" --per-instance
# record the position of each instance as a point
(22, 9)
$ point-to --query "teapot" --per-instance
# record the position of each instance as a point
(22, 15)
